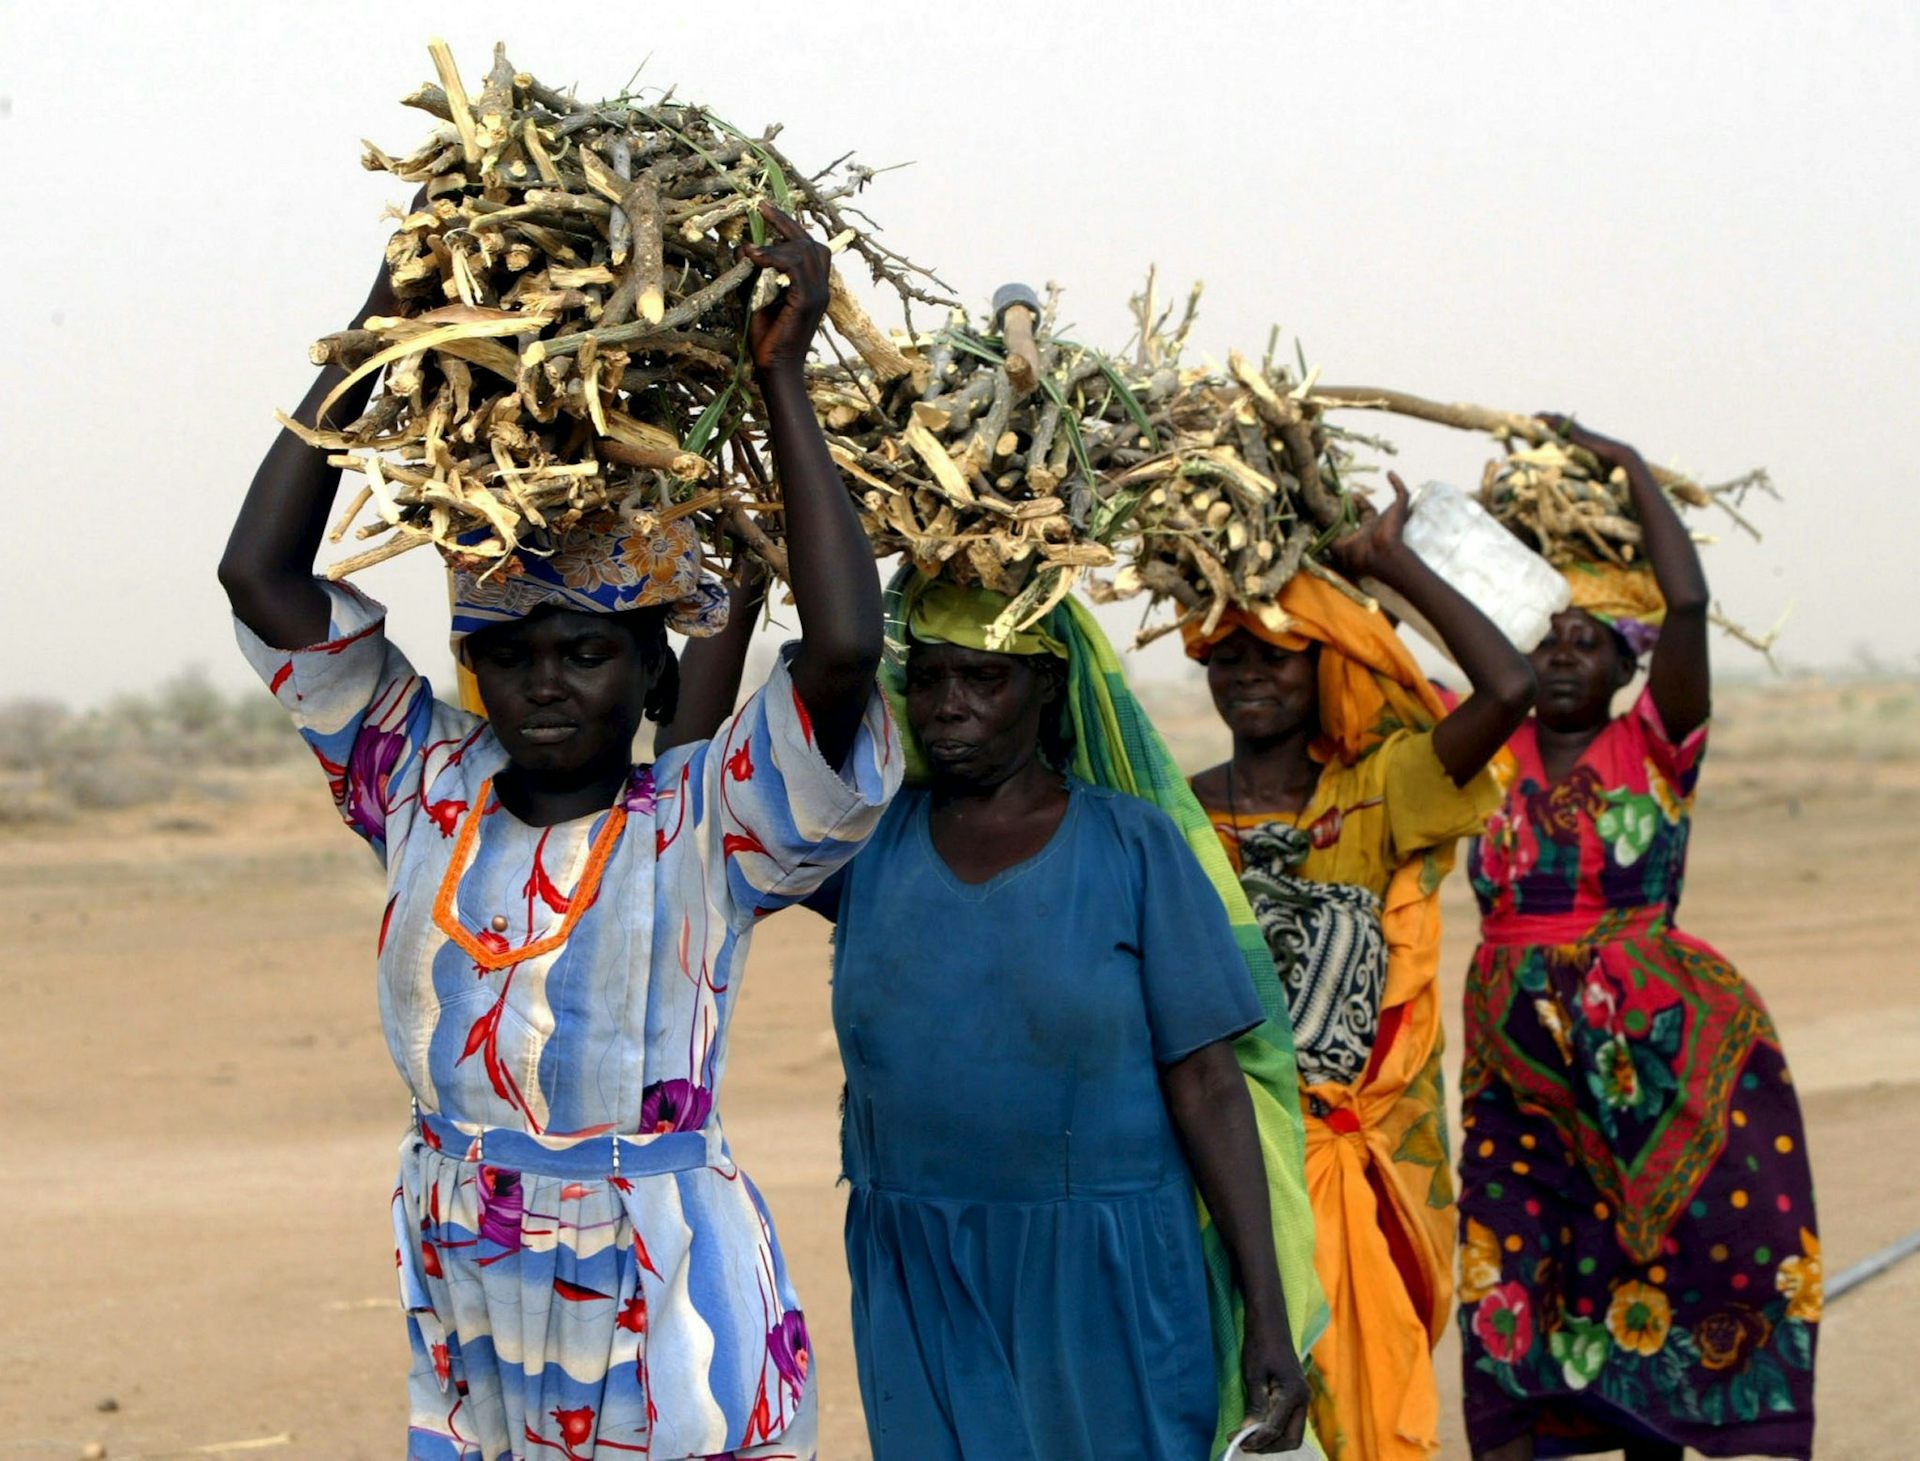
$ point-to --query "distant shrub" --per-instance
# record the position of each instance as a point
(136, 750)
(29, 732)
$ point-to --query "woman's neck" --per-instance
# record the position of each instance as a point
(548, 798)
(1269, 773)
(982, 829)
(1029, 786)
(1561, 747)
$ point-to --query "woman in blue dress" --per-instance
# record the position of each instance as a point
(1037, 992)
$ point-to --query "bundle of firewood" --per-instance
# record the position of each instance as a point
(1557, 498)
(1552, 495)
(1005, 455)
(1246, 485)
(571, 338)
(1567, 508)
(990, 454)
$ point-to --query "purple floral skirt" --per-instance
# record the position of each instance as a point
(1583, 1321)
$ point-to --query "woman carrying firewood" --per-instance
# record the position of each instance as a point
(1053, 1034)
(1348, 785)
(584, 1268)
(1640, 1266)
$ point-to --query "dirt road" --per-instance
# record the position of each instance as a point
(201, 1118)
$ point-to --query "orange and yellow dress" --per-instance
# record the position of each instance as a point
(1377, 835)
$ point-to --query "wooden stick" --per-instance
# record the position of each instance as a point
(1023, 357)
(685, 312)
(684, 464)
(1460, 414)
(493, 118)
(404, 540)
(843, 310)
(346, 348)
(647, 268)
(438, 337)
(1463, 415)
(346, 518)
(945, 471)
(429, 98)
(756, 538)
(537, 150)
(456, 95)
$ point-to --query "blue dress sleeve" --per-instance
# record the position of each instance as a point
(776, 820)
(1192, 973)
(364, 712)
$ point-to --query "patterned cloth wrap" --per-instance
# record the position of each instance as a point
(598, 567)
(1627, 600)
(1384, 819)
(1332, 955)
(1116, 746)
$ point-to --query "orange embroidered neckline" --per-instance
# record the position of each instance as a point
(585, 892)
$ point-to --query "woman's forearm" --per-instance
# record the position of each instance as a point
(830, 562)
(1213, 1115)
(1502, 680)
(267, 568)
(710, 668)
(1680, 676)
(1665, 539)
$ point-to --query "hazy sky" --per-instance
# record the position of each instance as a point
(1696, 225)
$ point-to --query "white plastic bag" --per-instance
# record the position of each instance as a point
(1306, 1451)
(1502, 577)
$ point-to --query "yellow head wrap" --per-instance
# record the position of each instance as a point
(1625, 599)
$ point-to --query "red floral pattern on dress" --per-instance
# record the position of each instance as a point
(1503, 1321)
(495, 1039)
(1634, 1158)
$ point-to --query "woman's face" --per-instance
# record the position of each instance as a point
(1261, 691)
(564, 691)
(977, 714)
(1579, 668)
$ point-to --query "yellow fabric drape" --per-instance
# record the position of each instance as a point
(1386, 817)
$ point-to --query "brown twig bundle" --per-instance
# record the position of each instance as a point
(574, 309)
(1558, 499)
(1247, 484)
(1554, 496)
(989, 458)
(1561, 503)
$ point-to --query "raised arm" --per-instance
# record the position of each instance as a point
(835, 587)
(267, 568)
(1207, 1098)
(710, 668)
(1679, 677)
(1503, 687)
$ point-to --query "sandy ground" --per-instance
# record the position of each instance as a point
(200, 1117)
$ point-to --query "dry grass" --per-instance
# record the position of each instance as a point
(185, 738)
(1837, 720)
(187, 742)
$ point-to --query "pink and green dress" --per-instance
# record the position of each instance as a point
(1639, 1257)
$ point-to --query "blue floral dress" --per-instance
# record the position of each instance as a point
(585, 1269)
